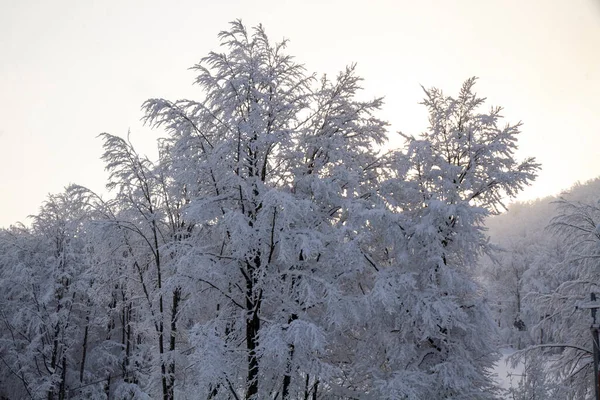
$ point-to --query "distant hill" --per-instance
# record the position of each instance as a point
(530, 217)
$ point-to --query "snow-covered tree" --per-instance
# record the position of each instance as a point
(559, 238)
(447, 181)
(578, 226)
(46, 302)
(534, 382)
(508, 279)
(146, 221)
(274, 163)
(520, 268)
(271, 252)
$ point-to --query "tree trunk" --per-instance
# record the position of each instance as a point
(171, 367)
(126, 363)
(287, 378)
(252, 328)
(62, 388)
(306, 391)
(84, 348)
(253, 302)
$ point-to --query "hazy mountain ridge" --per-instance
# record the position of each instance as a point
(527, 217)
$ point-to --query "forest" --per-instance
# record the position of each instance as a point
(538, 284)
(275, 249)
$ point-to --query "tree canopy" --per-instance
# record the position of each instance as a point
(272, 251)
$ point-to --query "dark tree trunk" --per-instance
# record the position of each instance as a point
(171, 367)
(253, 303)
(84, 348)
(62, 388)
(252, 329)
(287, 378)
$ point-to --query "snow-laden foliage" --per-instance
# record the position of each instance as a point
(520, 265)
(442, 187)
(276, 166)
(534, 383)
(577, 226)
(48, 306)
(271, 252)
(543, 278)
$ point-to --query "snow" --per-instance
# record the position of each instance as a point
(506, 376)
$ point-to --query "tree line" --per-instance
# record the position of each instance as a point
(271, 251)
(539, 283)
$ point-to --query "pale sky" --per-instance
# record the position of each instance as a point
(70, 70)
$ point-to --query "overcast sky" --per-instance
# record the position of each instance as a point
(70, 70)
